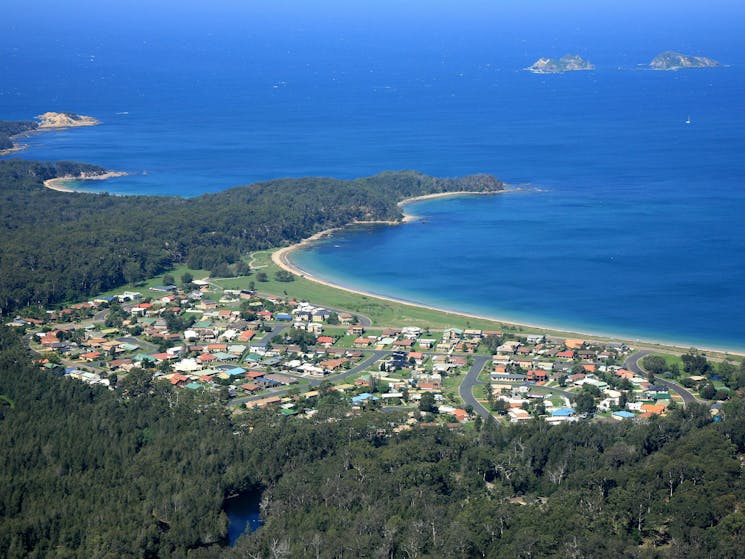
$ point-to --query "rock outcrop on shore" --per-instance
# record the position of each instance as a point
(671, 60)
(65, 120)
(567, 63)
(12, 129)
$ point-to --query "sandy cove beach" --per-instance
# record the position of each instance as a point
(60, 183)
(282, 260)
(280, 257)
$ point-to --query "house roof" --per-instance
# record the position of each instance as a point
(363, 397)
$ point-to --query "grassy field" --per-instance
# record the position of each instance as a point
(671, 359)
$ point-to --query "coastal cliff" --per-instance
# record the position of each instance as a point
(567, 63)
(671, 60)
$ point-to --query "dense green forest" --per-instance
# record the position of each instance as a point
(56, 246)
(9, 128)
(142, 472)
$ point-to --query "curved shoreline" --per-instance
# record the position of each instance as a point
(281, 258)
(60, 183)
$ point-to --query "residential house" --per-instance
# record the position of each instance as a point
(325, 341)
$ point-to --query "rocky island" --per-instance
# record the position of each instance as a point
(671, 60)
(567, 63)
(12, 129)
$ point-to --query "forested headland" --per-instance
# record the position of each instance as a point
(10, 128)
(143, 471)
(58, 247)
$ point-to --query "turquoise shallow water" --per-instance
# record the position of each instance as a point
(509, 256)
(632, 225)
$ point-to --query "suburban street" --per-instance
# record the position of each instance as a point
(315, 382)
(632, 364)
(471, 380)
(277, 329)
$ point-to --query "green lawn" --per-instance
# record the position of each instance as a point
(450, 385)
(671, 359)
(343, 341)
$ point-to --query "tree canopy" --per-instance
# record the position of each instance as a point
(143, 471)
(59, 246)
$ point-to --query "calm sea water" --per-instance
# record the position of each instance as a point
(633, 220)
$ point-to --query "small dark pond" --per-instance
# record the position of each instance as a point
(243, 515)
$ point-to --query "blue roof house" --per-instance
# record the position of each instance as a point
(365, 396)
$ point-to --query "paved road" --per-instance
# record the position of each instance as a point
(100, 316)
(632, 364)
(276, 330)
(565, 393)
(466, 387)
(146, 347)
(315, 382)
(363, 365)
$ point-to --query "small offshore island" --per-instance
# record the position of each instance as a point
(671, 60)
(567, 63)
(10, 130)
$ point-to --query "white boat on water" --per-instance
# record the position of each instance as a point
(688, 120)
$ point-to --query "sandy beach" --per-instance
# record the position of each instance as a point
(436, 195)
(60, 184)
(282, 260)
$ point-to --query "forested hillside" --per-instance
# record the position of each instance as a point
(9, 128)
(58, 246)
(143, 471)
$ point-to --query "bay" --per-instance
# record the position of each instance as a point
(629, 222)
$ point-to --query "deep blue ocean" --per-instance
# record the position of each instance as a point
(629, 221)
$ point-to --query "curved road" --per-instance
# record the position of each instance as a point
(471, 380)
(361, 366)
(632, 364)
